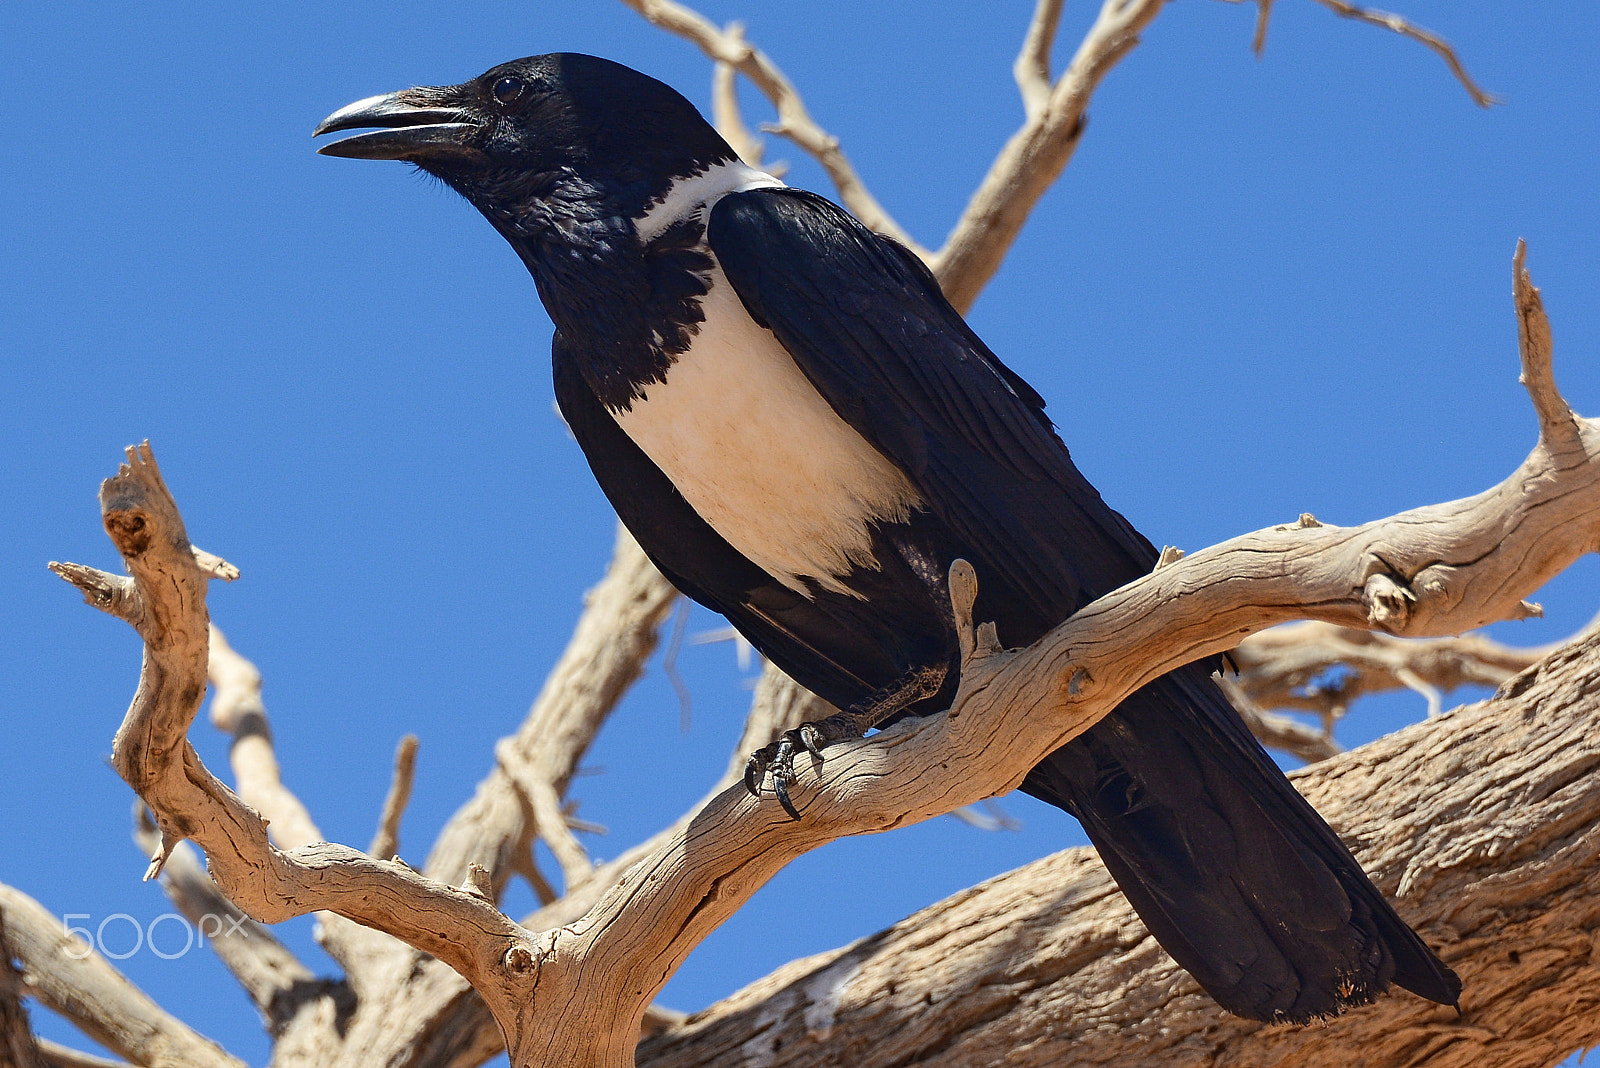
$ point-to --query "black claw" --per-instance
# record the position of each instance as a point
(812, 739)
(780, 786)
(754, 771)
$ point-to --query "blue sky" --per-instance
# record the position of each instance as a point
(1261, 288)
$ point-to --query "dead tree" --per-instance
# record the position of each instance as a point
(1483, 823)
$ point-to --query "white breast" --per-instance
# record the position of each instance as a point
(761, 456)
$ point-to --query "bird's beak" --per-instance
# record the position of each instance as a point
(414, 128)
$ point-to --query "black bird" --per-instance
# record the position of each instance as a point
(803, 435)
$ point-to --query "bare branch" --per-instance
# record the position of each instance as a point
(1280, 732)
(386, 843)
(238, 710)
(725, 113)
(1035, 155)
(67, 976)
(794, 121)
(18, 1048)
(1557, 424)
(1288, 666)
(1032, 68)
(1485, 823)
(59, 1056)
(1396, 24)
(273, 977)
(607, 651)
(152, 753)
(1258, 44)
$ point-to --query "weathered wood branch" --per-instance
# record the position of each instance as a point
(18, 1048)
(166, 605)
(1484, 821)
(67, 976)
(613, 638)
(279, 984)
(386, 841)
(794, 121)
(1031, 160)
(1322, 669)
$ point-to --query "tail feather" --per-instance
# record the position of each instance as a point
(1233, 872)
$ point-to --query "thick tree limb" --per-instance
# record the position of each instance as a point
(18, 1048)
(1485, 821)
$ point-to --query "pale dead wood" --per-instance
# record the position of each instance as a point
(276, 980)
(152, 753)
(67, 976)
(1392, 23)
(726, 114)
(1032, 68)
(1287, 667)
(1033, 158)
(465, 1033)
(1280, 732)
(18, 1049)
(386, 842)
(1322, 669)
(613, 638)
(58, 1056)
(794, 121)
(1396, 24)
(1485, 822)
(237, 709)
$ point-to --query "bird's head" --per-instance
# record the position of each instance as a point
(539, 141)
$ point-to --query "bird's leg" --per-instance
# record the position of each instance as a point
(778, 757)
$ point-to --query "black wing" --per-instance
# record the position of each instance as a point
(1232, 870)
(868, 326)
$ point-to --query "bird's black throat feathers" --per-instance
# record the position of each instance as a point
(564, 184)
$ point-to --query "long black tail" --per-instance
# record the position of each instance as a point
(1228, 866)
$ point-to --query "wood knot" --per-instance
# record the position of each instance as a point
(1388, 603)
(519, 959)
(129, 531)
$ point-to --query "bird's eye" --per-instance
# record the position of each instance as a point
(508, 89)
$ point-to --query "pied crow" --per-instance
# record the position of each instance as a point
(803, 435)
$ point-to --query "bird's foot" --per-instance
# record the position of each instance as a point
(777, 759)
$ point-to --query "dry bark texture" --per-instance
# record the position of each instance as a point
(1484, 823)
